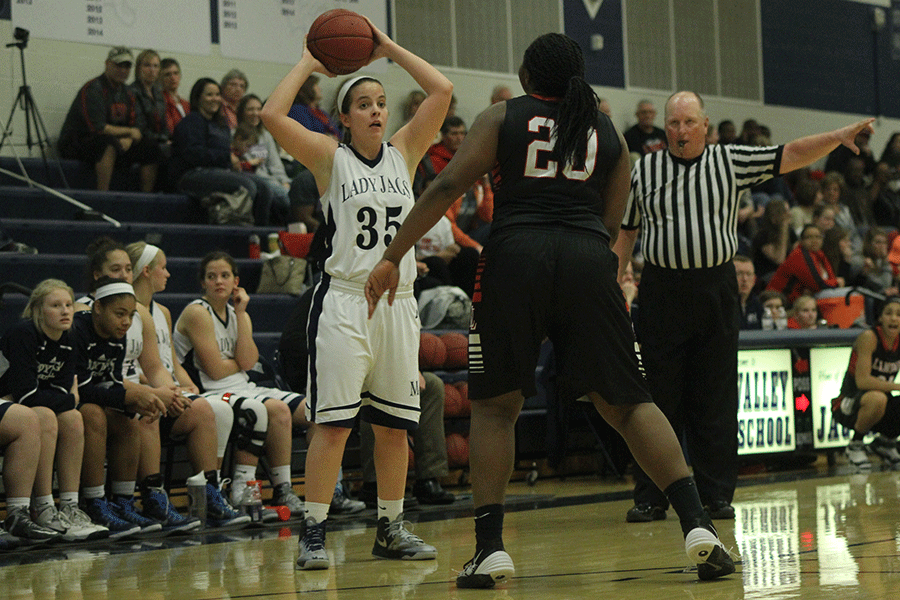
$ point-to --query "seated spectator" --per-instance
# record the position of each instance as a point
(242, 140)
(644, 136)
(868, 401)
(37, 370)
(267, 155)
(471, 215)
(727, 132)
(804, 313)
(305, 206)
(774, 310)
(448, 263)
(835, 195)
(839, 158)
(884, 196)
(453, 131)
(214, 336)
(823, 218)
(858, 196)
(774, 240)
(808, 196)
(306, 109)
(233, 87)
(751, 309)
(202, 162)
(839, 251)
(891, 153)
(150, 101)
(877, 270)
(805, 269)
(749, 131)
(411, 104)
(104, 128)
(176, 106)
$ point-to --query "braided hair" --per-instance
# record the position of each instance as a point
(555, 66)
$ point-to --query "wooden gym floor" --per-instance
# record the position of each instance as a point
(819, 533)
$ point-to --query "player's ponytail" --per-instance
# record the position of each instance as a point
(555, 66)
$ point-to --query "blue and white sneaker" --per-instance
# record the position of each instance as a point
(102, 513)
(124, 506)
(157, 507)
(219, 513)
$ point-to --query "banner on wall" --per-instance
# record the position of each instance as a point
(273, 30)
(132, 23)
(597, 27)
(765, 402)
(827, 368)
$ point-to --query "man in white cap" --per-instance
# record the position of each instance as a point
(103, 128)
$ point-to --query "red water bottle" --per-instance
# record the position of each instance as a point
(253, 246)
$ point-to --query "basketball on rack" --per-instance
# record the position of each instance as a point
(453, 402)
(457, 450)
(457, 346)
(432, 352)
(342, 40)
(463, 388)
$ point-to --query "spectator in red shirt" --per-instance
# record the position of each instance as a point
(806, 269)
(176, 106)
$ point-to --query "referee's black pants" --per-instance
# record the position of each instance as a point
(688, 326)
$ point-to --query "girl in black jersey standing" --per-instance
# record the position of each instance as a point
(561, 178)
(868, 400)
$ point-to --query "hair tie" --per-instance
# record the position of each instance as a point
(112, 289)
(147, 256)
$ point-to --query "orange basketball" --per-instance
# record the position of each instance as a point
(463, 389)
(457, 346)
(453, 402)
(457, 450)
(342, 40)
(412, 459)
(432, 352)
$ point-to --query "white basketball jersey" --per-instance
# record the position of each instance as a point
(163, 337)
(226, 339)
(134, 345)
(365, 204)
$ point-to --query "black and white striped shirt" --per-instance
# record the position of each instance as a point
(688, 209)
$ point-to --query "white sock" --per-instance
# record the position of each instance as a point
(390, 509)
(123, 488)
(93, 492)
(243, 474)
(18, 503)
(281, 474)
(68, 498)
(316, 511)
(42, 502)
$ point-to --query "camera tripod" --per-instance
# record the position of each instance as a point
(35, 131)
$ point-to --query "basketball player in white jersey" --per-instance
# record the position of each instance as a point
(214, 335)
(207, 425)
(357, 365)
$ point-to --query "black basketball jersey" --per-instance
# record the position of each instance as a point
(885, 363)
(531, 189)
(98, 364)
(36, 370)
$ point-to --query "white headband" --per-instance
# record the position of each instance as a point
(147, 256)
(346, 88)
(111, 289)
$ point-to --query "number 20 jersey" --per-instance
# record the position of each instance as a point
(531, 189)
(364, 205)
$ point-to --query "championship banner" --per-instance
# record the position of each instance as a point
(171, 25)
(274, 30)
(765, 402)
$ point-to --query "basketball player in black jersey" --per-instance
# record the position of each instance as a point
(869, 400)
(561, 183)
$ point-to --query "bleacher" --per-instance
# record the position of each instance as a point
(61, 231)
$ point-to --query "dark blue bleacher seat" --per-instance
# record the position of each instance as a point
(79, 175)
(72, 237)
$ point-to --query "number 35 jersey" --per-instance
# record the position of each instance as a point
(364, 206)
(531, 189)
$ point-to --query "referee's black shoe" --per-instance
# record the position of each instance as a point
(720, 509)
(429, 491)
(644, 513)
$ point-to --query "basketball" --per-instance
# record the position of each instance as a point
(342, 40)
(432, 352)
(457, 346)
(463, 388)
(457, 450)
(453, 402)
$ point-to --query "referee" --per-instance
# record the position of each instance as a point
(686, 201)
